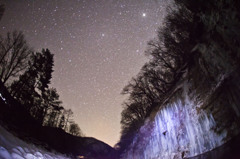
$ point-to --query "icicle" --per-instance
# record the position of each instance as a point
(180, 131)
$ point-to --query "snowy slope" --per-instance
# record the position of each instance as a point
(13, 148)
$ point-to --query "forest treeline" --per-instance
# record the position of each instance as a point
(27, 75)
(202, 33)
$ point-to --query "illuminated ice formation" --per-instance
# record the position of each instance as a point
(180, 129)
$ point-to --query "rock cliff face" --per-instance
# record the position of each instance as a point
(199, 115)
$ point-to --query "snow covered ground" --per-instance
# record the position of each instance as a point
(13, 148)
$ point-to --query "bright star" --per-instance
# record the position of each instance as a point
(144, 14)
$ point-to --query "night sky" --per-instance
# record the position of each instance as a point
(98, 46)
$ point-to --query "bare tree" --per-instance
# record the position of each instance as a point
(75, 129)
(68, 114)
(14, 55)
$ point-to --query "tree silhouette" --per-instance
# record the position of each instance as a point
(29, 75)
(197, 35)
(45, 74)
(51, 107)
(14, 55)
(62, 122)
(170, 57)
(68, 113)
(32, 87)
(74, 129)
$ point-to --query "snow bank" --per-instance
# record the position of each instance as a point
(13, 148)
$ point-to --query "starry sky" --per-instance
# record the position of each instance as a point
(98, 46)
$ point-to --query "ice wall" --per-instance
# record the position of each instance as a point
(180, 129)
(13, 148)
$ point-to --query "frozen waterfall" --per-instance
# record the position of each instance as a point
(180, 129)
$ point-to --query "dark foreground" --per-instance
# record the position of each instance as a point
(230, 150)
(15, 119)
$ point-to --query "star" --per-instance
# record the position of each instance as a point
(98, 47)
